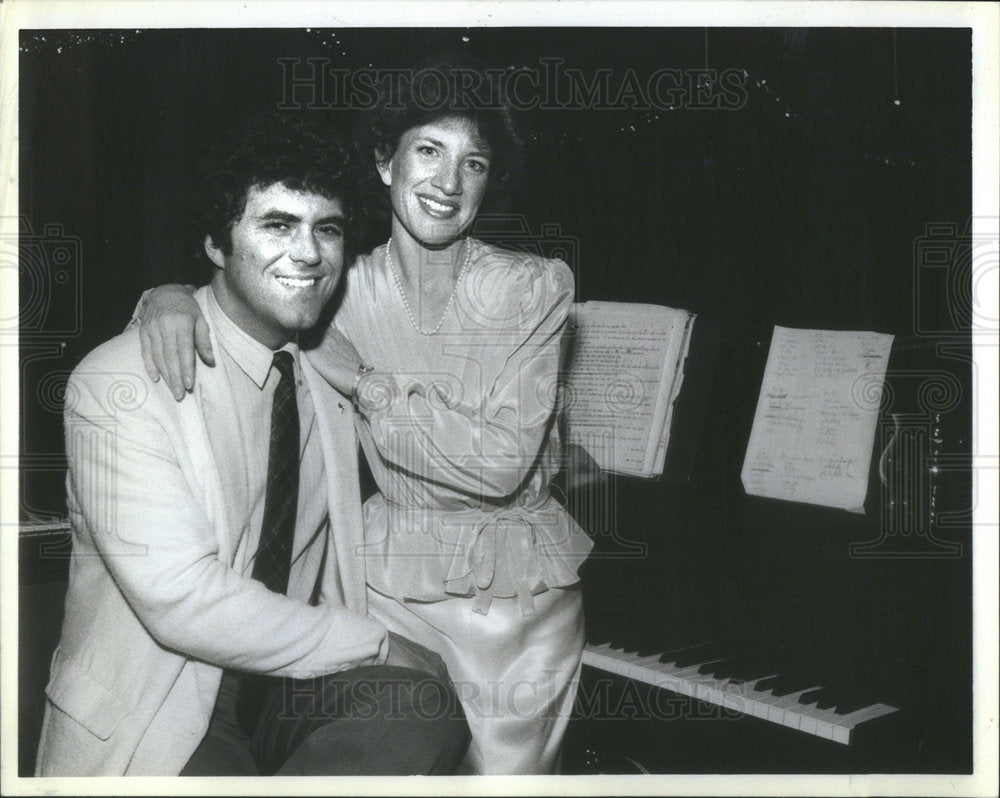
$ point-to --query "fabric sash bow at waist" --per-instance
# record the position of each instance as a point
(506, 534)
(429, 554)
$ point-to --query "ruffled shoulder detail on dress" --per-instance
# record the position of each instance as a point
(508, 290)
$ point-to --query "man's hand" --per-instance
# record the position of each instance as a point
(404, 653)
(171, 329)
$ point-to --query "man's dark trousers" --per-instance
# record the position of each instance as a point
(374, 720)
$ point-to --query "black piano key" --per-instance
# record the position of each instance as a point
(857, 696)
(746, 668)
(727, 660)
(838, 701)
(671, 654)
(726, 657)
(853, 703)
(767, 683)
(751, 677)
(723, 669)
(731, 660)
(828, 698)
(712, 668)
(786, 685)
(693, 656)
(857, 692)
(812, 697)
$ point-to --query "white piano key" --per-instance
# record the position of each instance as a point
(813, 711)
(846, 723)
(807, 724)
(771, 706)
(791, 705)
(628, 659)
(649, 673)
(714, 693)
(780, 709)
(852, 719)
(642, 668)
(816, 721)
(631, 656)
(603, 657)
(735, 698)
(824, 728)
(760, 705)
(733, 694)
(680, 680)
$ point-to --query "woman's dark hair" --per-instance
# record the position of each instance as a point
(447, 85)
(265, 149)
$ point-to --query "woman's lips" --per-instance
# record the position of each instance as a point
(438, 208)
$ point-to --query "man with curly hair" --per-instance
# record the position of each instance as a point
(216, 620)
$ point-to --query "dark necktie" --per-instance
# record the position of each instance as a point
(274, 551)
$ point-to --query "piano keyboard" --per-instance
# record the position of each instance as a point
(732, 693)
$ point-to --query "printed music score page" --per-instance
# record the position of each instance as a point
(623, 375)
(815, 423)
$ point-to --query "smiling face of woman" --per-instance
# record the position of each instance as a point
(437, 179)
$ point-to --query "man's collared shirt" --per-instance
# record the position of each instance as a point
(247, 364)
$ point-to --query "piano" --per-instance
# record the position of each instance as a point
(823, 698)
(729, 633)
(811, 710)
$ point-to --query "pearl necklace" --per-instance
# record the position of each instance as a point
(402, 293)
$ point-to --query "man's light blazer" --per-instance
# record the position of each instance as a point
(155, 608)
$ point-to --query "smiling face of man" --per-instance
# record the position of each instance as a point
(287, 256)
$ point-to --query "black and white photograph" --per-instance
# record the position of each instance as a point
(579, 398)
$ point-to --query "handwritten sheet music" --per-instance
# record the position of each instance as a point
(624, 375)
(815, 423)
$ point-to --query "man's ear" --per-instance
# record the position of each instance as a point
(384, 167)
(214, 253)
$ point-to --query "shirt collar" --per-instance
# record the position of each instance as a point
(253, 358)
